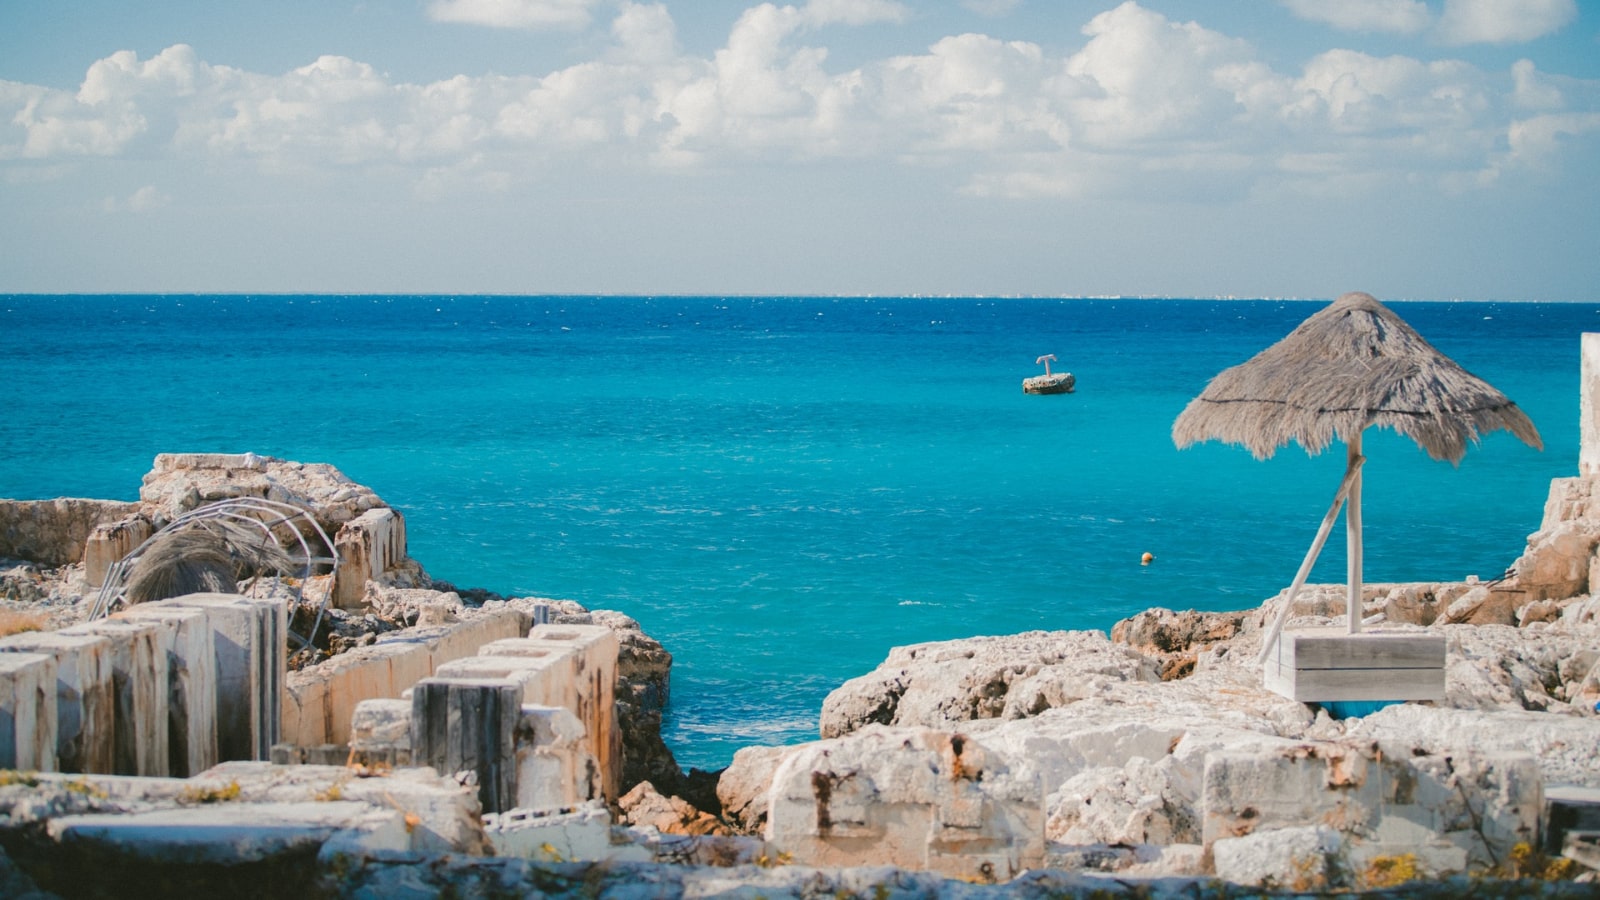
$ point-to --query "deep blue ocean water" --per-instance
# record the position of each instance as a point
(782, 489)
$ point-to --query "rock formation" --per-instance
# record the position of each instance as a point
(1045, 763)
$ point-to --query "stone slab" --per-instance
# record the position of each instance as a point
(584, 834)
(139, 669)
(191, 684)
(251, 664)
(594, 678)
(458, 639)
(222, 833)
(460, 726)
(556, 683)
(320, 701)
(85, 700)
(28, 711)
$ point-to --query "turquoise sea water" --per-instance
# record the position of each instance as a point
(781, 489)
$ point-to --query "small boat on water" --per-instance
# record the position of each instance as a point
(1049, 382)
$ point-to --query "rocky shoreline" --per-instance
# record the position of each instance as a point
(1150, 761)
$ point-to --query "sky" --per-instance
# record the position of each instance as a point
(1413, 149)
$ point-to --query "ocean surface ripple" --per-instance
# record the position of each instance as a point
(781, 489)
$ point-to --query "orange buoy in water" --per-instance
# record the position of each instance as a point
(1146, 559)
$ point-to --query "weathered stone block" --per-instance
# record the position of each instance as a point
(458, 639)
(251, 662)
(469, 727)
(903, 797)
(1297, 859)
(554, 768)
(1404, 800)
(380, 733)
(140, 690)
(368, 545)
(28, 711)
(319, 702)
(54, 532)
(85, 695)
(549, 673)
(585, 833)
(593, 661)
(191, 682)
(110, 542)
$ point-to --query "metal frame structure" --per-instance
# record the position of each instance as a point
(269, 516)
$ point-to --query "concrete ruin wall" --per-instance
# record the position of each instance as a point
(174, 688)
(165, 689)
(368, 545)
(320, 701)
(54, 532)
(533, 718)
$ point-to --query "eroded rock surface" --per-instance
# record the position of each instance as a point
(53, 532)
(948, 682)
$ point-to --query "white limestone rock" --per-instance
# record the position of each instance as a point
(584, 833)
(1127, 767)
(441, 815)
(54, 532)
(1566, 746)
(555, 769)
(179, 482)
(743, 787)
(915, 798)
(1582, 611)
(1123, 806)
(1558, 559)
(1501, 667)
(1298, 859)
(943, 684)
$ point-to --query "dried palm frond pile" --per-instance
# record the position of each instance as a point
(209, 556)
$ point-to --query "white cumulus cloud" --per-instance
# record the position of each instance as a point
(817, 13)
(514, 13)
(1145, 106)
(991, 8)
(141, 200)
(1503, 21)
(1387, 16)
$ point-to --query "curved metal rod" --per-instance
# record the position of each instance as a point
(278, 513)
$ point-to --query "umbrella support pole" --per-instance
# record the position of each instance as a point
(1351, 474)
(1352, 524)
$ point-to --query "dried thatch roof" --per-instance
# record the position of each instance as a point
(1351, 365)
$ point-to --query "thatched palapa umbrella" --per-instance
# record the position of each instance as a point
(1352, 365)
